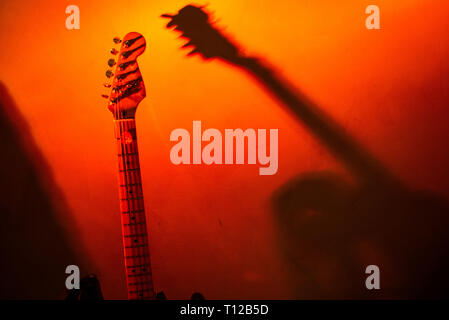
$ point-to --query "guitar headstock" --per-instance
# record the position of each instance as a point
(194, 24)
(127, 87)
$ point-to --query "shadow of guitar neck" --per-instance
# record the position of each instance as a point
(341, 145)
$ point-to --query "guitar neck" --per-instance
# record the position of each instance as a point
(134, 229)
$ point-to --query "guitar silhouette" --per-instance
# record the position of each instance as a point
(330, 229)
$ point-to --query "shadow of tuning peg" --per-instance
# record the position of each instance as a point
(104, 96)
(114, 51)
(191, 53)
(109, 73)
(107, 85)
(111, 62)
(117, 40)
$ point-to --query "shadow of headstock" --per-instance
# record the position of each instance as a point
(206, 40)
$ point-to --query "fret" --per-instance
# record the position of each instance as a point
(128, 199)
(119, 120)
(137, 210)
(132, 211)
(121, 138)
(141, 283)
(130, 177)
(130, 164)
(136, 246)
(128, 154)
(130, 185)
(137, 256)
(134, 241)
(137, 190)
(135, 169)
(127, 205)
(139, 266)
(134, 224)
(139, 275)
(135, 235)
(139, 291)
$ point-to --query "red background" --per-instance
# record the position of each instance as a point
(211, 227)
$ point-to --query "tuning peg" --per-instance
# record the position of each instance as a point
(117, 40)
(111, 62)
(105, 96)
(114, 51)
(107, 85)
(109, 73)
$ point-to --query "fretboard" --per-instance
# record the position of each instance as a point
(134, 228)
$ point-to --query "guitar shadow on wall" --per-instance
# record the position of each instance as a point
(34, 244)
(329, 229)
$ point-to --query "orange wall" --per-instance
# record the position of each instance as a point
(211, 226)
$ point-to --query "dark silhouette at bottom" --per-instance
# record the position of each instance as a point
(90, 290)
(197, 296)
(36, 225)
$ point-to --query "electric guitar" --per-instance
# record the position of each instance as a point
(127, 91)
